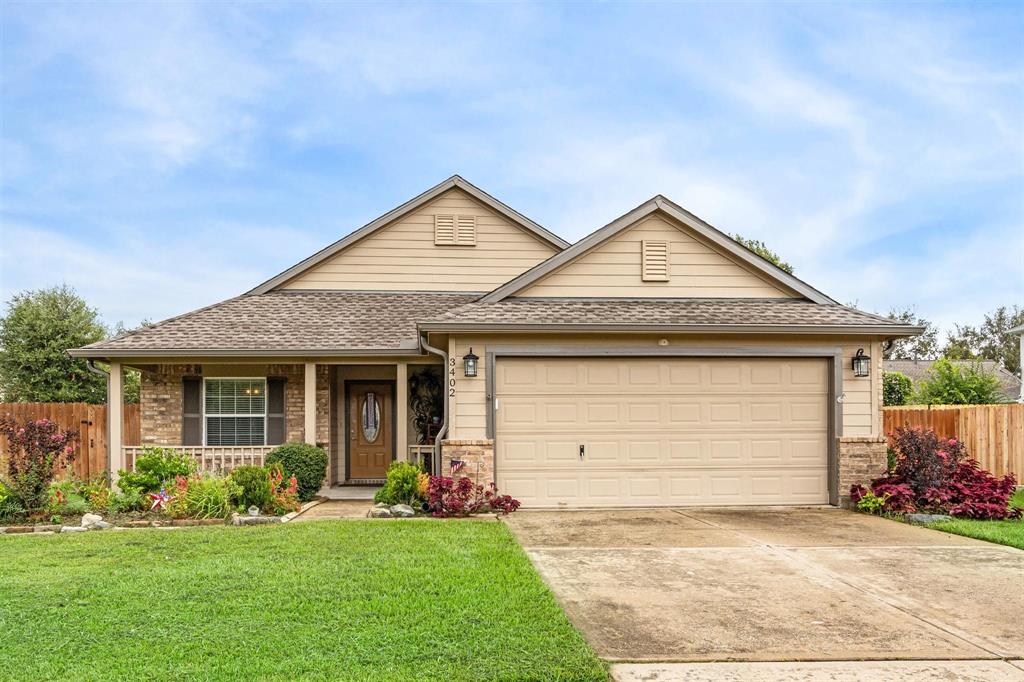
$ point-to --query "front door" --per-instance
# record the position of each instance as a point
(370, 428)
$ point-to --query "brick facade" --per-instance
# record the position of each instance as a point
(861, 458)
(161, 395)
(478, 456)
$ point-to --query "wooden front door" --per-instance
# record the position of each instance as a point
(371, 419)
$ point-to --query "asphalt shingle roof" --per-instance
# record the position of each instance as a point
(298, 321)
(657, 312)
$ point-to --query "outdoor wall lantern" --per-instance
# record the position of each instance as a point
(861, 364)
(469, 363)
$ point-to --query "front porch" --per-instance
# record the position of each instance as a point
(364, 414)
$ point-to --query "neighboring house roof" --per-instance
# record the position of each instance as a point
(658, 314)
(919, 369)
(659, 203)
(408, 207)
(287, 323)
(1017, 330)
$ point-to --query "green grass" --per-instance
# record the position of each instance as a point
(1000, 532)
(337, 600)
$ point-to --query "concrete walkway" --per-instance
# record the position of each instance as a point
(336, 509)
(817, 584)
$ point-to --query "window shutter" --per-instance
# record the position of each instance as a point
(655, 261)
(465, 232)
(191, 411)
(444, 229)
(275, 411)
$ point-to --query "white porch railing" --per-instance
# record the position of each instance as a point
(418, 454)
(213, 458)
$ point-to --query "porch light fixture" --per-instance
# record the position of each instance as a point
(469, 363)
(861, 364)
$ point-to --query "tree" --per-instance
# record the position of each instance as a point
(896, 388)
(34, 337)
(762, 250)
(957, 384)
(991, 340)
(923, 347)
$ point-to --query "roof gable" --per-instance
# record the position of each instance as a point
(527, 234)
(706, 252)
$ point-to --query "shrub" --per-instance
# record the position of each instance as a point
(130, 500)
(896, 388)
(9, 507)
(935, 474)
(155, 468)
(255, 487)
(37, 451)
(868, 502)
(447, 497)
(202, 497)
(307, 463)
(949, 384)
(402, 485)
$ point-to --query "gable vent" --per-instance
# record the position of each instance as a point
(655, 261)
(455, 230)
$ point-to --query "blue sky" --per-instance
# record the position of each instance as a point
(161, 157)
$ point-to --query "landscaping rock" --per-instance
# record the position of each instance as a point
(137, 523)
(90, 520)
(402, 511)
(11, 530)
(926, 518)
(239, 520)
(102, 525)
(46, 529)
(379, 511)
(73, 529)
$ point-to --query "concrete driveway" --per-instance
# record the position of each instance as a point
(781, 584)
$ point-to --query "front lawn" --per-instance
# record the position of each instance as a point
(352, 600)
(1001, 532)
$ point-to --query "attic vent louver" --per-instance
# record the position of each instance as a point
(654, 267)
(454, 230)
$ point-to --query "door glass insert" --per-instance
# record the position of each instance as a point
(370, 417)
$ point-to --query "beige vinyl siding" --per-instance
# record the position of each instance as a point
(862, 413)
(696, 269)
(404, 257)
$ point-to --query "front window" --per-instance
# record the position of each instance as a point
(236, 411)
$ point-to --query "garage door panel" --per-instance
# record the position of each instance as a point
(665, 431)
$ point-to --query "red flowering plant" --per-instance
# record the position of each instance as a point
(447, 497)
(284, 494)
(933, 474)
(38, 451)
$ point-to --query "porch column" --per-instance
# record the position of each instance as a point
(309, 403)
(115, 420)
(402, 411)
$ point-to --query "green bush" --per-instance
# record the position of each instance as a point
(255, 487)
(307, 463)
(896, 388)
(949, 384)
(401, 486)
(9, 506)
(203, 497)
(155, 468)
(130, 500)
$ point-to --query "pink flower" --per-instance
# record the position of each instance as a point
(952, 441)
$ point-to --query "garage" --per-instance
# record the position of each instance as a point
(658, 431)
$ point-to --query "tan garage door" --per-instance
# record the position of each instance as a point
(661, 431)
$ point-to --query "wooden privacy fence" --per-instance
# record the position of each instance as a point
(992, 434)
(89, 420)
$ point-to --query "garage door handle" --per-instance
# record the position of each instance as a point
(581, 451)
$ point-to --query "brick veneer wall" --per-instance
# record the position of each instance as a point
(477, 454)
(160, 402)
(861, 458)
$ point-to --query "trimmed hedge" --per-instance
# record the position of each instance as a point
(256, 488)
(307, 463)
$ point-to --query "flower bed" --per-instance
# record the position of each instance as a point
(936, 476)
(408, 486)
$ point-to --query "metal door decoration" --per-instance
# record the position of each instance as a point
(370, 418)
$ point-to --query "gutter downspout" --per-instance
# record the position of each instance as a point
(443, 431)
(91, 364)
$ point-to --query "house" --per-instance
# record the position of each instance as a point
(654, 362)
(1019, 331)
(916, 370)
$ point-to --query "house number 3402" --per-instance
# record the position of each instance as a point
(451, 377)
